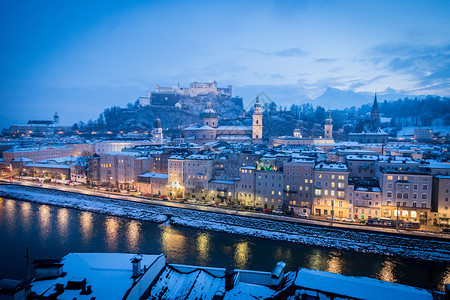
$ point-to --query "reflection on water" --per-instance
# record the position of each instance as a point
(10, 206)
(26, 210)
(86, 226)
(283, 254)
(173, 243)
(334, 263)
(90, 232)
(203, 247)
(133, 234)
(386, 272)
(315, 260)
(111, 228)
(446, 277)
(63, 222)
(44, 222)
(241, 255)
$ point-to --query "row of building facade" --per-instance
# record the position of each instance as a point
(301, 179)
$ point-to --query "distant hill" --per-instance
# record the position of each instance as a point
(339, 99)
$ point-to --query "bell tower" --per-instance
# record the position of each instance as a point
(157, 131)
(257, 125)
(328, 130)
(375, 113)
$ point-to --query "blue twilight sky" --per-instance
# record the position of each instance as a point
(79, 57)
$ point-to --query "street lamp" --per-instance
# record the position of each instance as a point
(332, 212)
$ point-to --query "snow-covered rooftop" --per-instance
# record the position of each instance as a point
(109, 274)
(54, 166)
(362, 157)
(198, 157)
(222, 181)
(357, 287)
(124, 153)
(331, 167)
(154, 175)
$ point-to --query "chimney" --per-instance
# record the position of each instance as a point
(136, 261)
(278, 273)
(231, 278)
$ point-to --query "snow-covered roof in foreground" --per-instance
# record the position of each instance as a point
(357, 287)
(109, 274)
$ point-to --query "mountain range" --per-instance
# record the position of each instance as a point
(338, 99)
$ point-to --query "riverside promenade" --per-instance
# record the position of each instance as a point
(429, 232)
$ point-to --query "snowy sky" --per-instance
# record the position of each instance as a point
(79, 57)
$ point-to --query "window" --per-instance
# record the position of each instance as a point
(405, 196)
(414, 204)
(389, 194)
(424, 205)
(424, 187)
(424, 196)
(415, 187)
(399, 195)
(389, 177)
(389, 185)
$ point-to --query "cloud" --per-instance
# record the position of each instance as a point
(290, 52)
(429, 66)
(326, 60)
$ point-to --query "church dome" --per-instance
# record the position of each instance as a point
(208, 112)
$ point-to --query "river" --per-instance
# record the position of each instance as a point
(52, 232)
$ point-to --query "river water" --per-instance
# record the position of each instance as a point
(52, 232)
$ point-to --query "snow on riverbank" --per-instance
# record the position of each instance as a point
(79, 201)
(275, 230)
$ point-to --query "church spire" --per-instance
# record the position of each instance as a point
(375, 113)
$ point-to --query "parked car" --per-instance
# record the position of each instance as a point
(303, 215)
(258, 209)
(192, 200)
(201, 201)
(446, 231)
(348, 220)
(223, 204)
(278, 211)
(267, 210)
(289, 213)
(333, 218)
